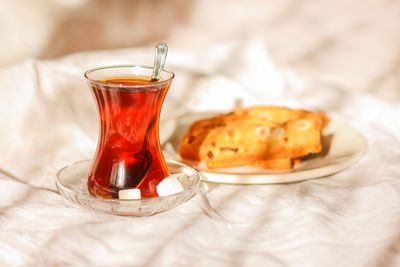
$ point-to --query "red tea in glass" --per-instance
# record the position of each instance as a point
(128, 153)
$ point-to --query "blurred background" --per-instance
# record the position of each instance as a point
(352, 44)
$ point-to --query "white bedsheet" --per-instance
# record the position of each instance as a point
(48, 119)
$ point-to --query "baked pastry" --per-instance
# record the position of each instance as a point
(265, 136)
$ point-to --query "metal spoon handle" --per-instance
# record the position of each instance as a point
(159, 60)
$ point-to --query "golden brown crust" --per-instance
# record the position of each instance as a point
(256, 136)
(276, 164)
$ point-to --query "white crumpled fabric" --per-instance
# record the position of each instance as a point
(48, 119)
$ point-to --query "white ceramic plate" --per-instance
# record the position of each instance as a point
(343, 146)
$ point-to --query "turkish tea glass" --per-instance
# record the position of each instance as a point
(128, 153)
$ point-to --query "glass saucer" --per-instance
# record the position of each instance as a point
(71, 182)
